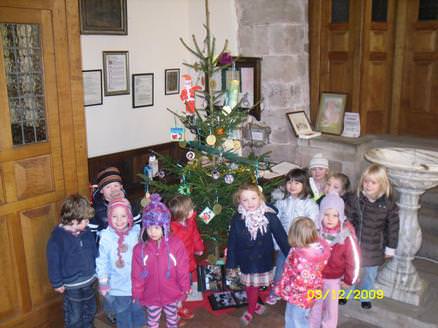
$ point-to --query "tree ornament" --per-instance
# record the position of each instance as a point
(161, 174)
(237, 145)
(260, 188)
(207, 215)
(184, 189)
(190, 155)
(217, 208)
(215, 174)
(145, 200)
(211, 140)
(229, 179)
(228, 144)
(226, 110)
(220, 131)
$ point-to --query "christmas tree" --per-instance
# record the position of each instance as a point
(214, 167)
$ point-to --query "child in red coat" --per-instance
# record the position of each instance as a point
(184, 226)
(342, 269)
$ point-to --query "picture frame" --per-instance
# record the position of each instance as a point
(103, 17)
(142, 90)
(171, 81)
(330, 117)
(92, 84)
(115, 73)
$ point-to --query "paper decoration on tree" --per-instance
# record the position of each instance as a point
(188, 94)
(207, 215)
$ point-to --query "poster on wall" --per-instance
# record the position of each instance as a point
(92, 80)
(142, 90)
(115, 73)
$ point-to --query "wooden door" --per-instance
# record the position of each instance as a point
(351, 53)
(42, 150)
(418, 113)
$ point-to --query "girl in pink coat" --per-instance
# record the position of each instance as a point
(160, 267)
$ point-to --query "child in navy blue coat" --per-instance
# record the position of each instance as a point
(250, 246)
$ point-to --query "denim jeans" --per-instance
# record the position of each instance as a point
(368, 277)
(296, 317)
(279, 266)
(128, 314)
(79, 307)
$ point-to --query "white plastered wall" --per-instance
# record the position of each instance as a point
(154, 28)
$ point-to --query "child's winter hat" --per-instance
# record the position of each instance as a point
(121, 247)
(119, 202)
(332, 200)
(318, 161)
(108, 175)
(156, 213)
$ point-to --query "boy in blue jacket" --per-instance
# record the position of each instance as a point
(71, 255)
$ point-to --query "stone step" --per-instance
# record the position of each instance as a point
(429, 246)
(389, 313)
(428, 220)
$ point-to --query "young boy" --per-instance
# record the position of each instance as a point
(184, 226)
(71, 255)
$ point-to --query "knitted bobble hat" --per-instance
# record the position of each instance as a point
(156, 213)
(318, 161)
(119, 201)
(110, 174)
(332, 200)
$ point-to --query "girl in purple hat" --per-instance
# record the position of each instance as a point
(160, 267)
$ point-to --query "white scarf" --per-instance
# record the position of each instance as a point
(255, 220)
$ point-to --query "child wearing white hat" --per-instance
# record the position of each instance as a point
(319, 171)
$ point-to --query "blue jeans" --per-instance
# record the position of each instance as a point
(279, 266)
(296, 317)
(368, 277)
(79, 307)
(128, 314)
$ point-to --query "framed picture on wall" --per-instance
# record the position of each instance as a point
(142, 90)
(103, 17)
(171, 81)
(92, 80)
(301, 125)
(115, 73)
(331, 113)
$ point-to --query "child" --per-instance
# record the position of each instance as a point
(343, 266)
(374, 215)
(297, 202)
(114, 264)
(319, 170)
(71, 254)
(109, 185)
(302, 274)
(250, 246)
(184, 226)
(160, 266)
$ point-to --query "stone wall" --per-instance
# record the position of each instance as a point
(277, 31)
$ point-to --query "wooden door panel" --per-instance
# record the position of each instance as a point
(2, 188)
(37, 225)
(33, 176)
(8, 278)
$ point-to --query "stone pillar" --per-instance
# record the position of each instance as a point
(277, 31)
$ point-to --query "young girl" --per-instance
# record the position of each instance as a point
(184, 226)
(113, 265)
(250, 246)
(302, 275)
(319, 170)
(374, 215)
(160, 266)
(342, 269)
(297, 202)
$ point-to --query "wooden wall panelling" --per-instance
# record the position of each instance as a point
(132, 162)
(8, 276)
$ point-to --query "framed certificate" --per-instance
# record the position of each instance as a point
(142, 90)
(115, 73)
(92, 81)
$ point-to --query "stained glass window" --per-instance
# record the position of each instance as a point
(24, 73)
